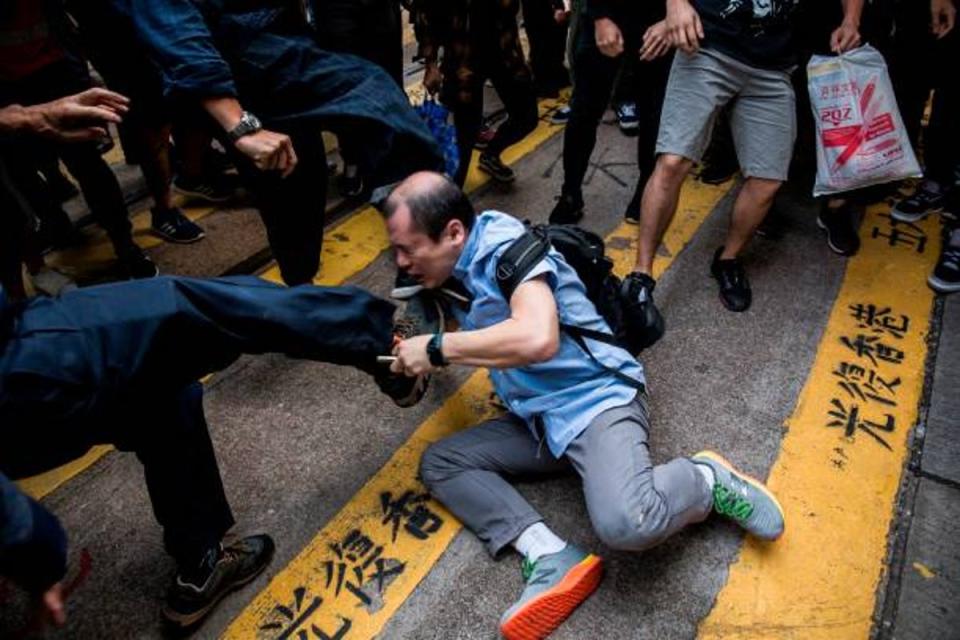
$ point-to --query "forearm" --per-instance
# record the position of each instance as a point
(226, 110)
(15, 119)
(511, 343)
(852, 10)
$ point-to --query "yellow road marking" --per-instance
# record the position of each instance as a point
(841, 460)
(348, 248)
(389, 535)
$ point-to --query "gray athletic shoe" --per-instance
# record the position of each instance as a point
(743, 499)
(556, 585)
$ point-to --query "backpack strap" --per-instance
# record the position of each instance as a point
(513, 266)
(520, 258)
(577, 334)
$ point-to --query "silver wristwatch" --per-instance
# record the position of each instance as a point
(248, 124)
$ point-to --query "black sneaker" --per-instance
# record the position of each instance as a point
(925, 200)
(494, 166)
(422, 315)
(717, 172)
(840, 225)
(195, 593)
(209, 190)
(642, 323)
(568, 210)
(175, 227)
(946, 275)
(351, 186)
(134, 263)
(734, 287)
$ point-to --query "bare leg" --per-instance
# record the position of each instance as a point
(658, 206)
(753, 203)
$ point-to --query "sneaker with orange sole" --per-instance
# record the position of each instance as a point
(743, 498)
(556, 585)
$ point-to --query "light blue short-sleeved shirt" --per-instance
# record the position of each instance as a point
(569, 390)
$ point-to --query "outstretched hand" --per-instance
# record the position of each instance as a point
(80, 117)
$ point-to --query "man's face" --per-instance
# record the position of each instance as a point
(431, 263)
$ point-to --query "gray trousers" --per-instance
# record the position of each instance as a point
(632, 504)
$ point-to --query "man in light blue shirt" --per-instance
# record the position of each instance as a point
(568, 410)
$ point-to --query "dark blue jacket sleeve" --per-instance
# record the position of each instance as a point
(179, 41)
(33, 546)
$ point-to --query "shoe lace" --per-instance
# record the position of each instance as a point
(628, 110)
(951, 258)
(527, 568)
(405, 327)
(728, 502)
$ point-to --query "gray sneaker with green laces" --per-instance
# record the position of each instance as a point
(556, 585)
(743, 499)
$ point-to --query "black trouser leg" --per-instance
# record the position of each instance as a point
(100, 189)
(293, 208)
(182, 475)
(467, 118)
(547, 45)
(651, 86)
(520, 100)
(942, 142)
(595, 74)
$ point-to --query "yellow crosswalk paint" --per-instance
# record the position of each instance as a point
(358, 570)
(842, 458)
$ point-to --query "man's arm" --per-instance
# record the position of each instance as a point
(606, 32)
(847, 35)
(33, 549)
(76, 118)
(531, 334)
(422, 15)
(177, 37)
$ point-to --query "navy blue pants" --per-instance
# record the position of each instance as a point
(118, 364)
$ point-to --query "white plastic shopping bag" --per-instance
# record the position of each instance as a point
(860, 136)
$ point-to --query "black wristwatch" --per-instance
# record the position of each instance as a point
(435, 351)
(248, 124)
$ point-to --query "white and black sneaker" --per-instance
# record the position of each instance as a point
(928, 198)
(173, 226)
(946, 275)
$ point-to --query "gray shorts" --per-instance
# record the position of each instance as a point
(763, 117)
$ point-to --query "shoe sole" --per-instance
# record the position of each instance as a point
(174, 240)
(630, 126)
(186, 621)
(633, 221)
(942, 286)
(405, 293)
(723, 462)
(900, 216)
(833, 247)
(544, 613)
(498, 178)
(201, 196)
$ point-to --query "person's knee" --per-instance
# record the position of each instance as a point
(437, 464)
(762, 189)
(623, 528)
(673, 167)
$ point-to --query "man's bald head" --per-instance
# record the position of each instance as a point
(433, 200)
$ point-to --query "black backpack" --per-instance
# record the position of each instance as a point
(585, 252)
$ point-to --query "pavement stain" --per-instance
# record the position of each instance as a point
(925, 572)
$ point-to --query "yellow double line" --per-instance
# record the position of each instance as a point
(843, 456)
(358, 570)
